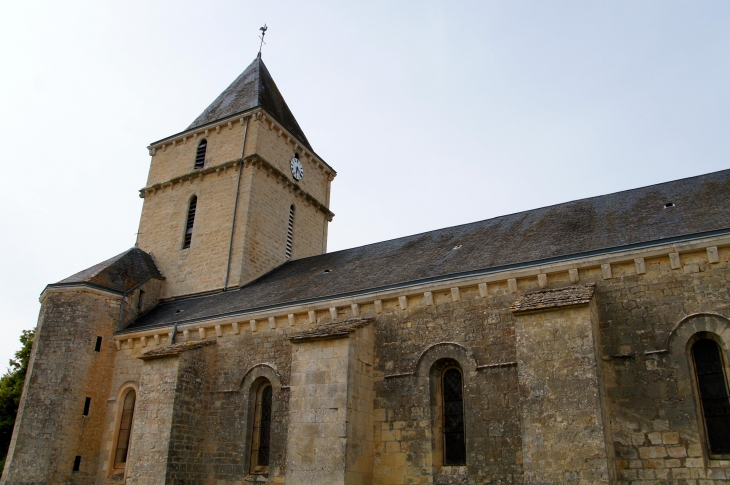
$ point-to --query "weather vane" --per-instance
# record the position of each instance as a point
(263, 33)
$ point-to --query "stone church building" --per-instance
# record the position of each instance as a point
(582, 343)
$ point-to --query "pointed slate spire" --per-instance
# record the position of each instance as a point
(253, 88)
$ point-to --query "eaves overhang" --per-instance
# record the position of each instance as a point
(444, 279)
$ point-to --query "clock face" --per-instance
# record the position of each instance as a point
(297, 170)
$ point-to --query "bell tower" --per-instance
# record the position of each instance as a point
(237, 193)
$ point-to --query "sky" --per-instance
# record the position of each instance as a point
(434, 114)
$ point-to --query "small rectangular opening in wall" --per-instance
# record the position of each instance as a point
(97, 347)
(139, 300)
(87, 404)
(77, 463)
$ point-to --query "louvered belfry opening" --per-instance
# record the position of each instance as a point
(262, 429)
(454, 443)
(712, 384)
(190, 221)
(290, 233)
(200, 154)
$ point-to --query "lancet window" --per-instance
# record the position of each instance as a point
(125, 429)
(713, 393)
(453, 417)
(261, 439)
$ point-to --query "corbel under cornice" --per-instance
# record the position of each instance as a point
(252, 160)
(256, 114)
(239, 322)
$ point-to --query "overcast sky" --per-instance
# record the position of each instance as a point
(433, 113)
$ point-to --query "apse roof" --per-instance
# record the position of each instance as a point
(252, 89)
(120, 273)
(658, 214)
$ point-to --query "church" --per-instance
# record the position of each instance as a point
(581, 343)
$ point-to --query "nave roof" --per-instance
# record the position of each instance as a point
(698, 206)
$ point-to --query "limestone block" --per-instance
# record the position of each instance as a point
(483, 290)
(574, 275)
(675, 261)
(512, 284)
(606, 271)
(712, 255)
(403, 302)
(542, 280)
(640, 266)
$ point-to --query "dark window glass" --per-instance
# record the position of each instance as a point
(125, 429)
(262, 429)
(200, 154)
(290, 233)
(454, 445)
(713, 394)
(189, 222)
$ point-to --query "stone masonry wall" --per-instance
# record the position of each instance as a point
(652, 400)
(360, 445)
(63, 371)
(317, 438)
(261, 216)
(266, 227)
(149, 449)
(563, 425)
(646, 322)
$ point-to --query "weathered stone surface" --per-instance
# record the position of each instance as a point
(543, 300)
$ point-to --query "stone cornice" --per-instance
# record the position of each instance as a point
(252, 160)
(79, 288)
(256, 114)
(425, 293)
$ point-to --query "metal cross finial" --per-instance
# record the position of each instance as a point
(263, 33)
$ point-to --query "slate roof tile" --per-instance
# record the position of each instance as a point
(254, 87)
(554, 298)
(120, 273)
(596, 225)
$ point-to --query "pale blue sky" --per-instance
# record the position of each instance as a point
(433, 113)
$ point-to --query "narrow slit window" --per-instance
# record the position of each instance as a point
(77, 463)
(140, 300)
(189, 222)
(262, 429)
(454, 442)
(712, 384)
(290, 233)
(200, 154)
(97, 347)
(87, 405)
(125, 429)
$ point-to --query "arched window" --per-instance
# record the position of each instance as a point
(125, 429)
(290, 232)
(190, 221)
(453, 417)
(261, 439)
(200, 154)
(713, 390)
